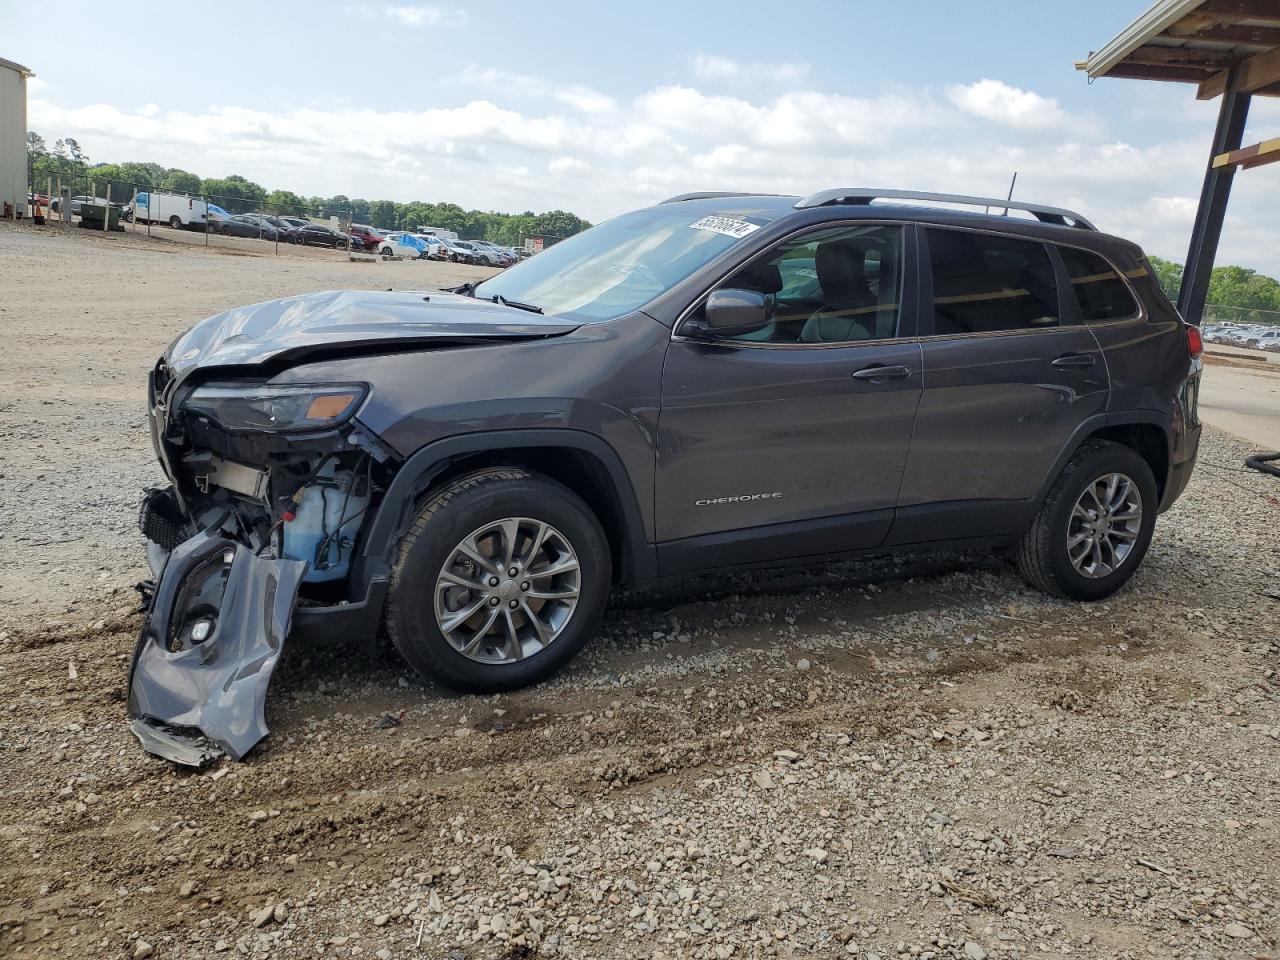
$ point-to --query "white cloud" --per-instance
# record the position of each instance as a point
(712, 67)
(568, 165)
(516, 142)
(423, 15)
(997, 101)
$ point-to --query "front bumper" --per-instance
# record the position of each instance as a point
(191, 700)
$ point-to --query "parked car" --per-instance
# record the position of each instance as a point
(273, 221)
(246, 225)
(292, 223)
(460, 251)
(499, 257)
(716, 382)
(1267, 340)
(436, 250)
(368, 236)
(1241, 335)
(318, 234)
(76, 202)
(402, 245)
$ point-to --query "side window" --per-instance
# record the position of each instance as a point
(984, 283)
(1101, 292)
(835, 285)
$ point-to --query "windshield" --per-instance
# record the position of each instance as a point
(621, 265)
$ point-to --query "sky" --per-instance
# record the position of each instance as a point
(599, 108)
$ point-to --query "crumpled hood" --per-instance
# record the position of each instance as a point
(320, 322)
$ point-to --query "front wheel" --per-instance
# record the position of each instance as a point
(501, 579)
(1094, 526)
(175, 222)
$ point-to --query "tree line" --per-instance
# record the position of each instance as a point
(66, 159)
(1246, 295)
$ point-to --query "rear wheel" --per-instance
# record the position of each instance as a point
(500, 581)
(175, 221)
(1095, 525)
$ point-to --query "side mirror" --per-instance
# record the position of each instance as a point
(731, 312)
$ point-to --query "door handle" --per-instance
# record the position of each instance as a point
(879, 372)
(1074, 360)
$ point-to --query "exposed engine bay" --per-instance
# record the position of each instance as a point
(255, 522)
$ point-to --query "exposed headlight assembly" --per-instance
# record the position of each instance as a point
(267, 407)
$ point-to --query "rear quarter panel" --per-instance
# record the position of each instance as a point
(1148, 360)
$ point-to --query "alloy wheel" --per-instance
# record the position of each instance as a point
(1104, 526)
(508, 590)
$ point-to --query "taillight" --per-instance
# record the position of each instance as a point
(1195, 343)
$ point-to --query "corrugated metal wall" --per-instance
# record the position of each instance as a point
(13, 138)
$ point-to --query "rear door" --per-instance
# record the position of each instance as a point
(1009, 373)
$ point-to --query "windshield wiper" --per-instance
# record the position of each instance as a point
(467, 289)
(499, 298)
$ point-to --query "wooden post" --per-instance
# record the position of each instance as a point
(106, 209)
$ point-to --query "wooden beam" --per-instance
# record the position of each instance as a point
(1260, 70)
(1183, 56)
(1176, 73)
(1214, 87)
(1268, 151)
(1242, 9)
(1198, 28)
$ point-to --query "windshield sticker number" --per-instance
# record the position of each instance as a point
(729, 226)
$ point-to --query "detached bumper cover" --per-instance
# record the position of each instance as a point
(192, 700)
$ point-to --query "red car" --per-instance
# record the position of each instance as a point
(369, 236)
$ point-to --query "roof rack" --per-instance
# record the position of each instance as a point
(716, 194)
(864, 195)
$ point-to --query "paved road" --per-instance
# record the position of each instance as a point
(1243, 402)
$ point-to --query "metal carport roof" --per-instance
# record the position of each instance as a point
(1228, 49)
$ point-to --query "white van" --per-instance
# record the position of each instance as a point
(170, 208)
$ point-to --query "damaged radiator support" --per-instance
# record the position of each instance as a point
(209, 644)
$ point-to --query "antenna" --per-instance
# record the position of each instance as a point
(1010, 196)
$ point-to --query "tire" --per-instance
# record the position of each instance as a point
(1043, 556)
(175, 221)
(386, 253)
(458, 512)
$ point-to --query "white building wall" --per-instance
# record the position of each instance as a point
(13, 137)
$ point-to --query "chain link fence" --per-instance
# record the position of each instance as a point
(1216, 314)
(88, 202)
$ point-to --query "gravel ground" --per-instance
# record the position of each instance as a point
(915, 757)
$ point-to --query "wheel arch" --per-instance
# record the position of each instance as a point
(1147, 432)
(582, 462)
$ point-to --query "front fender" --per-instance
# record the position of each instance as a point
(417, 473)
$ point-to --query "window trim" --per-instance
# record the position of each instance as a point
(908, 302)
(927, 309)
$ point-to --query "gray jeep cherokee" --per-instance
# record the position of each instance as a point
(717, 381)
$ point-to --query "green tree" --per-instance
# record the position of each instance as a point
(179, 181)
(235, 193)
(1169, 275)
(558, 224)
(382, 214)
(285, 202)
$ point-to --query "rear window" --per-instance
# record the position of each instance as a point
(1100, 290)
(984, 283)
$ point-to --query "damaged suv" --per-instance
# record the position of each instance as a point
(717, 381)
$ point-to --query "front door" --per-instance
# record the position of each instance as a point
(1009, 374)
(791, 441)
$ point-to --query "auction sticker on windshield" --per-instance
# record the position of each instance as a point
(729, 226)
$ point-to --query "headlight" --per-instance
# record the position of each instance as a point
(266, 407)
